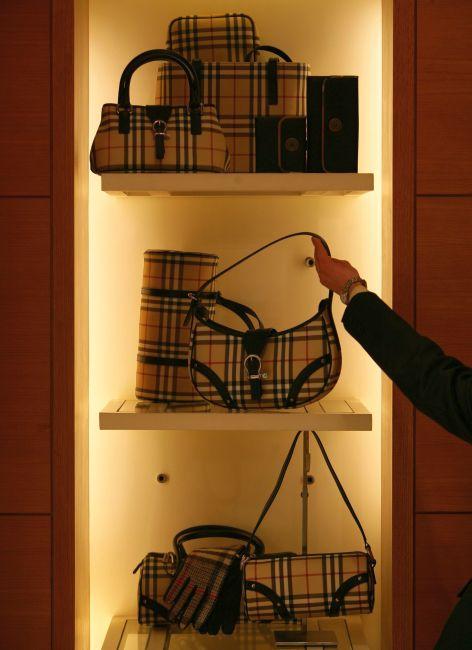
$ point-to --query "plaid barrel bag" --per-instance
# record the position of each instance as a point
(159, 138)
(290, 587)
(260, 367)
(226, 37)
(156, 572)
(168, 277)
(241, 91)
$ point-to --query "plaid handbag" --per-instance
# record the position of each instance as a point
(241, 91)
(227, 37)
(162, 362)
(261, 367)
(156, 572)
(161, 138)
(291, 587)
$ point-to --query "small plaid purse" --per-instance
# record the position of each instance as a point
(261, 367)
(292, 587)
(160, 138)
(227, 37)
(156, 572)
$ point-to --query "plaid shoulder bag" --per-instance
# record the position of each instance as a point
(159, 138)
(291, 587)
(260, 367)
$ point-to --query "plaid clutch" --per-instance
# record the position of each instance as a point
(156, 572)
(162, 366)
(185, 138)
(227, 37)
(240, 92)
(259, 367)
(303, 586)
(291, 587)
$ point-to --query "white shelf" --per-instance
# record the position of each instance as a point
(327, 415)
(209, 184)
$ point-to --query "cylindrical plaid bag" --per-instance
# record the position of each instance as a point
(168, 278)
(291, 587)
(241, 92)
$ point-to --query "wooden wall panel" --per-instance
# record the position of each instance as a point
(443, 469)
(443, 566)
(444, 313)
(444, 92)
(25, 582)
(25, 355)
(25, 84)
(444, 272)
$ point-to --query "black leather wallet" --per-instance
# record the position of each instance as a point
(332, 124)
(280, 143)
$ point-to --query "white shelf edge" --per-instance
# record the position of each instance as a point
(328, 415)
(210, 184)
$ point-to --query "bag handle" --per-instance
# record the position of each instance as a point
(196, 296)
(344, 496)
(267, 48)
(212, 530)
(158, 55)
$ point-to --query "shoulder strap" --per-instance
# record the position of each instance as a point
(259, 250)
(344, 496)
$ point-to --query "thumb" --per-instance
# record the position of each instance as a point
(320, 251)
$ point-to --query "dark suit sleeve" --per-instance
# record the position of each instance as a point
(438, 385)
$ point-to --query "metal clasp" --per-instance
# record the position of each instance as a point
(159, 127)
(259, 374)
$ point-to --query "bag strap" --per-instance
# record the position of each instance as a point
(267, 48)
(256, 252)
(344, 496)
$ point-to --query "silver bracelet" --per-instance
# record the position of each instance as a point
(344, 295)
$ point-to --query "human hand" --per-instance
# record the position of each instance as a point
(333, 273)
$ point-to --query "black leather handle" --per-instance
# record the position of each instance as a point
(259, 250)
(268, 48)
(212, 530)
(158, 55)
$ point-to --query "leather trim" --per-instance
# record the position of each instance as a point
(272, 82)
(301, 378)
(157, 608)
(216, 382)
(338, 598)
(176, 293)
(162, 361)
(280, 608)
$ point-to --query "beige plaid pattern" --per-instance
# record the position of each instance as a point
(307, 584)
(156, 573)
(239, 91)
(296, 355)
(162, 333)
(136, 152)
(227, 37)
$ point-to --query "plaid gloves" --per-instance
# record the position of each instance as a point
(193, 594)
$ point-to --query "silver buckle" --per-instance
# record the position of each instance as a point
(260, 374)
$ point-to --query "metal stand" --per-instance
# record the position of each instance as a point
(303, 637)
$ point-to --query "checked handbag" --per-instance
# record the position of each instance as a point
(290, 587)
(260, 367)
(241, 91)
(160, 138)
(227, 37)
(162, 365)
(156, 572)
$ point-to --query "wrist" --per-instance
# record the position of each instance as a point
(355, 289)
(346, 291)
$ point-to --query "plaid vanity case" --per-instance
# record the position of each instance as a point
(227, 37)
(156, 573)
(162, 365)
(240, 92)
